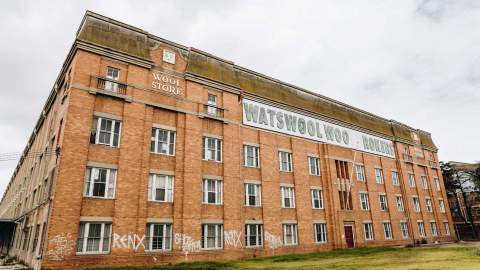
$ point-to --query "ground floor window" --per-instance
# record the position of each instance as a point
(404, 229)
(368, 231)
(253, 235)
(159, 236)
(94, 237)
(421, 229)
(212, 236)
(387, 229)
(290, 234)
(433, 226)
(447, 228)
(320, 232)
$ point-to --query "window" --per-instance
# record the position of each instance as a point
(160, 188)
(429, 205)
(100, 182)
(368, 231)
(251, 156)
(288, 197)
(416, 204)
(441, 205)
(382, 198)
(112, 74)
(395, 179)
(421, 229)
(35, 237)
(253, 235)
(159, 236)
(404, 229)
(253, 194)
(364, 201)
(379, 176)
(105, 132)
(387, 229)
(212, 149)
(289, 234)
(433, 226)
(437, 183)
(399, 202)
(343, 180)
(212, 191)
(212, 236)
(411, 180)
(212, 100)
(285, 161)
(360, 172)
(446, 227)
(423, 179)
(163, 142)
(317, 198)
(320, 232)
(94, 237)
(314, 165)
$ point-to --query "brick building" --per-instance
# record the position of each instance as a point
(149, 152)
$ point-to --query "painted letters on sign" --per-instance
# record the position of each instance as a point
(166, 83)
(272, 118)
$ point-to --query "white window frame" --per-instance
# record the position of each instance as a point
(257, 193)
(404, 229)
(288, 193)
(434, 228)
(314, 166)
(290, 229)
(285, 165)
(441, 206)
(411, 180)
(89, 182)
(112, 86)
(218, 190)
(360, 172)
(155, 140)
(218, 236)
(258, 237)
(164, 236)
(111, 131)
(395, 178)
(212, 110)
(387, 230)
(212, 154)
(383, 202)
(368, 231)
(416, 204)
(421, 229)
(364, 201)
(424, 181)
(320, 230)
(317, 196)
(168, 186)
(446, 226)
(429, 204)
(379, 176)
(255, 158)
(399, 203)
(437, 183)
(84, 241)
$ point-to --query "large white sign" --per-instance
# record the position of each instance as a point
(268, 117)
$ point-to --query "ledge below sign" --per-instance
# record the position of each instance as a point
(272, 118)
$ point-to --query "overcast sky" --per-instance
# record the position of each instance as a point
(414, 61)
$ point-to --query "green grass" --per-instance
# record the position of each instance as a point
(362, 258)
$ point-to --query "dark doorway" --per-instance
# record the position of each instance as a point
(349, 236)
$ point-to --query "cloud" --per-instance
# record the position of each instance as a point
(413, 61)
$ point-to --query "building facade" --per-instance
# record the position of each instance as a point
(149, 152)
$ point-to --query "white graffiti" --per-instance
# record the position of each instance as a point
(128, 241)
(62, 245)
(233, 238)
(188, 243)
(273, 240)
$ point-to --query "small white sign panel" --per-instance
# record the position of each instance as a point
(169, 56)
(272, 118)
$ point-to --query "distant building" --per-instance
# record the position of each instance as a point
(465, 207)
(150, 152)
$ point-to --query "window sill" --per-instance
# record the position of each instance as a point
(320, 243)
(212, 249)
(167, 251)
(160, 154)
(105, 146)
(214, 204)
(290, 245)
(253, 206)
(313, 208)
(97, 198)
(160, 202)
(254, 247)
(212, 160)
(251, 167)
(92, 253)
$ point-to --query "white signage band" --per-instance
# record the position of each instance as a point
(272, 118)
